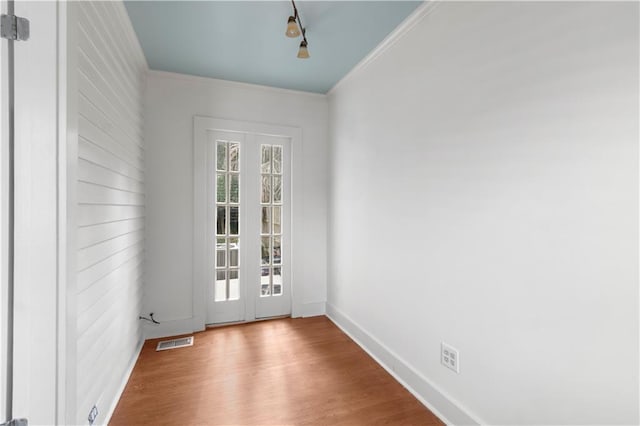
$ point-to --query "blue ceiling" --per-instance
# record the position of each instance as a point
(244, 40)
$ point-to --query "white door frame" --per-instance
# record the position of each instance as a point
(36, 272)
(5, 320)
(200, 127)
(40, 285)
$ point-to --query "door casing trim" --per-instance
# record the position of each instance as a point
(200, 127)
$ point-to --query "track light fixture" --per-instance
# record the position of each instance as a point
(294, 29)
(303, 52)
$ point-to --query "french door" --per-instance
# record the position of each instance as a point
(248, 226)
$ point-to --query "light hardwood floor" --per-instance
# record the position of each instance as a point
(279, 372)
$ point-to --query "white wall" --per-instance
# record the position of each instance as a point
(110, 195)
(484, 192)
(171, 103)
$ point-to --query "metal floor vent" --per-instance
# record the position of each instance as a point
(174, 343)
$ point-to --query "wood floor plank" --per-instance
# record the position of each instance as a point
(279, 372)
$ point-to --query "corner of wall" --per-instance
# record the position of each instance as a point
(442, 405)
(313, 309)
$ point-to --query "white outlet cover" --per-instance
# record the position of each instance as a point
(450, 357)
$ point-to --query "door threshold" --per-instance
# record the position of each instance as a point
(228, 324)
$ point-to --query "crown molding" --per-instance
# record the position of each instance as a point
(234, 84)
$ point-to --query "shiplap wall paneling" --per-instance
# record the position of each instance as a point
(111, 203)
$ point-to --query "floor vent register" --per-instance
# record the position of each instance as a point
(175, 343)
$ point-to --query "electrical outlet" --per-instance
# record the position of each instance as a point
(450, 357)
(93, 414)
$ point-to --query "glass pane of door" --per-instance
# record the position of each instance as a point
(271, 236)
(226, 233)
(273, 293)
(227, 261)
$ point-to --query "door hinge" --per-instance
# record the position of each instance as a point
(14, 27)
(16, 422)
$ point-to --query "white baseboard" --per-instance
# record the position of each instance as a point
(123, 384)
(313, 309)
(190, 325)
(446, 408)
(168, 328)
